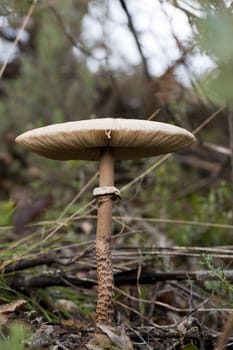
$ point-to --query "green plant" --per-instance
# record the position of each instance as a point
(6, 209)
(215, 30)
(218, 272)
(17, 337)
(189, 346)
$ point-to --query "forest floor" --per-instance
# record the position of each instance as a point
(162, 300)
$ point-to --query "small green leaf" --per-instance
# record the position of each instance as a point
(190, 346)
(6, 209)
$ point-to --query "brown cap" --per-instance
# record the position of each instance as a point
(128, 139)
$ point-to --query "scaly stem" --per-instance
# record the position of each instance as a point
(104, 309)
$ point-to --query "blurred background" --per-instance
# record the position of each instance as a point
(169, 61)
(164, 60)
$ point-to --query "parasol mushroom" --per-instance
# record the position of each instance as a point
(105, 140)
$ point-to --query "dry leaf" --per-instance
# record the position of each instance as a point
(11, 307)
(111, 338)
(30, 212)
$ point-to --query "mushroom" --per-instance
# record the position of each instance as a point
(105, 140)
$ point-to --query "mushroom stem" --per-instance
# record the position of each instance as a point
(104, 309)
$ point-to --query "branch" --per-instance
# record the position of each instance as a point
(135, 35)
(23, 284)
(121, 279)
(68, 34)
(148, 277)
(230, 123)
(45, 259)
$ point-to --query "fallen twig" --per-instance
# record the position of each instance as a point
(123, 278)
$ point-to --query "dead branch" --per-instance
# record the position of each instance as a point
(23, 284)
(197, 162)
(150, 277)
(217, 148)
(123, 278)
(45, 259)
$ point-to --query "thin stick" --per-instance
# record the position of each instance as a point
(78, 195)
(154, 114)
(211, 117)
(168, 221)
(22, 28)
(147, 171)
(174, 221)
(230, 123)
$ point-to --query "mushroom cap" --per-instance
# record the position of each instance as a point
(84, 139)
